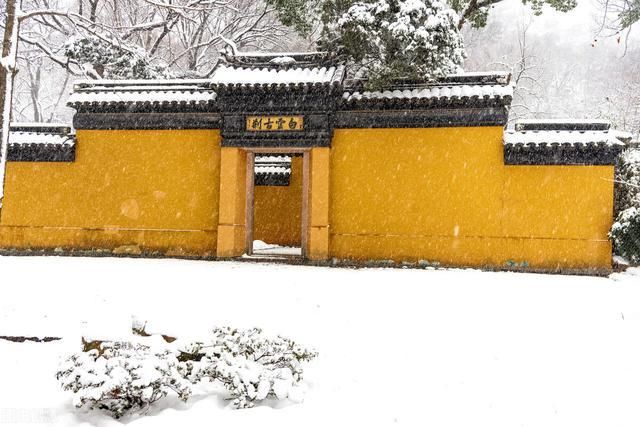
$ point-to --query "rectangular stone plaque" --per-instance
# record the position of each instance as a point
(275, 123)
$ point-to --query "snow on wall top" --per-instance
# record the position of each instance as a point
(562, 121)
(563, 124)
(273, 165)
(272, 159)
(39, 125)
(23, 138)
(482, 85)
(142, 91)
(285, 68)
(233, 75)
(562, 137)
(436, 92)
(41, 134)
(260, 55)
(564, 131)
(281, 170)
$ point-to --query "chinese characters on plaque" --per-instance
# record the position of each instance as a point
(275, 123)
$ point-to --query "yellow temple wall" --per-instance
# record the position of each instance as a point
(440, 195)
(128, 190)
(443, 195)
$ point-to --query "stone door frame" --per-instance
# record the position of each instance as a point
(250, 190)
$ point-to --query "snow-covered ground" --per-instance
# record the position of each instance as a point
(261, 248)
(397, 347)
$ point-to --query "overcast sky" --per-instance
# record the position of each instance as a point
(577, 27)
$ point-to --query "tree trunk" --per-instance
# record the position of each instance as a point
(93, 11)
(34, 88)
(7, 73)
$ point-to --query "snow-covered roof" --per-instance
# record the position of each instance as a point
(563, 132)
(437, 92)
(283, 59)
(232, 75)
(562, 137)
(40, 133)
(146, 92)
(459, 87)
(39, 125)
(237, 79)
(269, 55)
(273, 165)
(272, 170)
(22, 138)
(278, 69)
(563, 124)
(244, 70)
(562, 142)
(563, 121)
(504, 75)
(45, 142)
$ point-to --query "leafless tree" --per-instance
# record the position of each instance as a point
(520, 58)
(185, 35)
(618, 18)
(7, 74)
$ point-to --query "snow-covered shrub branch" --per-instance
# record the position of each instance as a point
(124, 378)
(249, 364)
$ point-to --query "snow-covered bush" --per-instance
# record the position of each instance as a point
(249, 364)
(128, 378)
(628, 179)
(124, 378)
(112, 60)
(397, 39)
(625, 232)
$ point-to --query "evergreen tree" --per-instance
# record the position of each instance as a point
(630, 13)
(476, 12)
(111, 60)
(294, 13)
(388, 40)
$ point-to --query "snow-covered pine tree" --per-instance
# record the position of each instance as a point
(387, 40)
(625, 232)
(113, 60)
(628, 178)
(296, 14)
